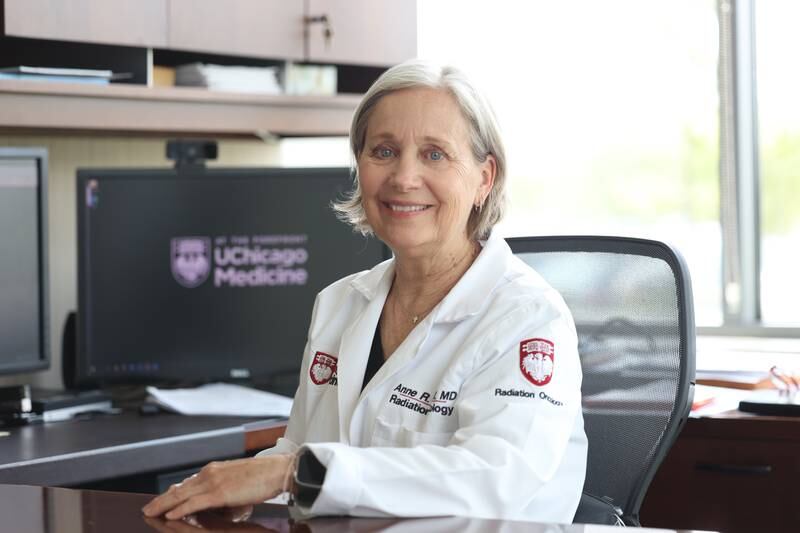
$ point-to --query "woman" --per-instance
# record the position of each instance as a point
(445, 381)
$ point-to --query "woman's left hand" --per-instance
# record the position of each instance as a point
(224, 484)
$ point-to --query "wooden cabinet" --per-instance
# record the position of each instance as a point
(371, 32)
(129, 36)
(362, 32)
(355, 32)
(733, 474)
(254, 28)
(123, 22)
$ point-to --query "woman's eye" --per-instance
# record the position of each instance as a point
(436, 155)
(384, 152)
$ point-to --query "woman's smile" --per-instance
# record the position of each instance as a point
(404, 209)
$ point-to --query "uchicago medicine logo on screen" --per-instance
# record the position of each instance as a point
(190, 260)
(240, 261)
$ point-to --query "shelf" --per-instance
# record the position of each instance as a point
(135, 109)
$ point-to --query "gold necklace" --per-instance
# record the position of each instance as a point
(414, 318)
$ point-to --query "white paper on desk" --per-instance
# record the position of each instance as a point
(222, 399)
(723, 399)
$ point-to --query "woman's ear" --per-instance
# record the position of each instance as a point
(488, 173)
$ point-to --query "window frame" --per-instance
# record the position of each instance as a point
(740, 192)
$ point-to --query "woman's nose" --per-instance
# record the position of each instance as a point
(406, 174)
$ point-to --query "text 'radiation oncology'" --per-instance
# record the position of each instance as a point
(260, 260)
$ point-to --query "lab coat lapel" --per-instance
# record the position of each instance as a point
(355, 346)
(472, 291)
(402, 355)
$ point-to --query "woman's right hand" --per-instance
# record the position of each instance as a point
(224, 484)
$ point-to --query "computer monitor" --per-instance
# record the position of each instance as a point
(24, 313)
(195, 275)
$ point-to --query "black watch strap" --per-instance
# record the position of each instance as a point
(308, 478)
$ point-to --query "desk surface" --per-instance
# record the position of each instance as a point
(102, 447)
(42, 509)
(736, 424)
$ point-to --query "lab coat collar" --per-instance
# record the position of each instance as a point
(372, 281)
(472, 291)
(466, 298)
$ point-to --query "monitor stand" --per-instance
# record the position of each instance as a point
(15, 405)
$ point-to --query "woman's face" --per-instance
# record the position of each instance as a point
(419, 179)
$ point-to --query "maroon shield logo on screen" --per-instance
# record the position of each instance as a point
(191, 260)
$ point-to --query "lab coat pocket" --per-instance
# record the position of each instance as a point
(397, 435)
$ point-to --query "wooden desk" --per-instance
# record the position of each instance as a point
(43, 509)
(733, 472)
(104, 447)
(260, 435)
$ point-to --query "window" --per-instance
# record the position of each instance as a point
(609, 111)
(778, 87)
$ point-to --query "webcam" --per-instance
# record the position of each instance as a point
(191, 152)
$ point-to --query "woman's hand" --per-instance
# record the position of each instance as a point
(224, 484)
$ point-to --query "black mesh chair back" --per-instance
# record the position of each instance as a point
(632, 304)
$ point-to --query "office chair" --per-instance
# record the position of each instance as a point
(632, 304)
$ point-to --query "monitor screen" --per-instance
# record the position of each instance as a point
(24, 344)
(209, 274)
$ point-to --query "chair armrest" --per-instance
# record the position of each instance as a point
(594, 510)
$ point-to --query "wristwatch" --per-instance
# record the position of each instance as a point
(309, 475)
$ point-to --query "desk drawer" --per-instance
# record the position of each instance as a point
(726, 485)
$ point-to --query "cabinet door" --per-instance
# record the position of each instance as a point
(364, 32)
(124, 22)
(732, 485)
(255, 28)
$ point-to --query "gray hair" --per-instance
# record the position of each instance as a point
(483, 130)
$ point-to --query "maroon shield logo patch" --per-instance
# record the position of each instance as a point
(323, 367)
(536, 360)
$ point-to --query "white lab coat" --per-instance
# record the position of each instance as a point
(459, 420)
